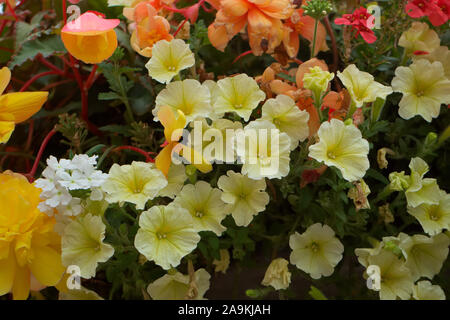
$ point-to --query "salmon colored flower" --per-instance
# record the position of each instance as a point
(90, 38)
(16, 107)
(262, 18)
(29, 248)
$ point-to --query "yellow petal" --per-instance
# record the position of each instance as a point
(21, 287)
(171, 123)
(196, 159)
(5, 77)
(46, 266)
(164, 159)
(22, 105)
(6, 129)
(7, 273)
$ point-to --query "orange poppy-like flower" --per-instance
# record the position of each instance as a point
(263, 19)
(148, 27)
(90, 38)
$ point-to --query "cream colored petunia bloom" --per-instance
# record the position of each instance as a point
(176, 286)
(361, 86)
(168, 59)
(425, 290)
(263, 150)
(424, 86)
(419, 37)
(441, 54)
(287, 117)
(205, 205)
(317, 80)
(317, 251)
(82, 244)
(277, 274)
(240, 94)
(247, 197)
(166, 235)
(175, 181)
(188, 96)
(343, 147)
(433, 218)
(136, 183)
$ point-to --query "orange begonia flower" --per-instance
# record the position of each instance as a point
(90, 38)
(263, 20)
(148, 27)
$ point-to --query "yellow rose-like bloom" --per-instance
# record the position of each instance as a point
(277, 274)
(205, 205)
(362, 87)
(16, 107)
(82, 244)
(433, 218)
(424, 86)
(90, 38)
(287, 117)
(136, 183)
(317, 81)
(188, 96)
(240, 94)
(424, 290)
(317, 251)
(28, 245)
(168, 59)
(421, 190)
(247, 197)
(441, 54)
(176, 286)
(419, 37)
(343, 147)
(166, 235)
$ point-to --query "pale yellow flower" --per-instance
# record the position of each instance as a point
(277, 274)
(224, 262)
(287, 117)
(425, 290)
(317, 251)
(433, 218)
(359, 195)
(420, 189)
(240, 94)
(176, 286)
(317, 80)
(419, 37)
(424, 86)
(82, 244)
(166, 235)
(168, 59)
(136, 183)
(263, 150)
(441, 54)
(175, 181)
(188, 96)
(205, 205)
(79, 294)
(362, 87)
(343, 147)
(247, 197)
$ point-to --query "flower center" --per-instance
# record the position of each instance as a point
(314, 247)
(171, 68)
(238, 106)
(199, 214)
(242, 196)
(277, 122)
(331, 155)
(420, 93)
(434, 216)
(161, 235)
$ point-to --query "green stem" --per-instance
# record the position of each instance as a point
(352, 110)
(313, 50)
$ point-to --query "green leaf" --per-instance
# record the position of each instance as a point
(316, 294)
(377, 108)
(105, 96)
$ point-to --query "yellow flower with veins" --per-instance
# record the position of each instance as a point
(425, 88)
(16, 107)
(136, 183)
(361, 86)
(425, 290)
(419, 37)
(317, 251)
(343, 147)
(29, 248)
(168, 59)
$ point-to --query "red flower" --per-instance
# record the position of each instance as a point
(437, 11)
(359, 20)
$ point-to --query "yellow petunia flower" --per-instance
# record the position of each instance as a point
(343, 147)
(287, 117)
(175, 181)
(16, 107)
(433, 218)
(425, 290)
(424, 86)
(239, 94)
(90, 38)
(176, 286)
(29, 248)
(136, 183)
(317, 80)
(421, 190)
(362, 87)
(317, 251)
(166, 235)
(277, 274)
(441, 54)
(419, 37)
(168, 59)
(205, 205)
(82, 244)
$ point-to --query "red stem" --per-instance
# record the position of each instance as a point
(90, 80)
(12, 10)
(31, 174)
(36, 77)
(330, 31)
(180, 27)
(50, 65)
(64, 8)
(246, 53)
(144, 153)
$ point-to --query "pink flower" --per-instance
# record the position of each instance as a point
(437, 11)
(360, 20)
